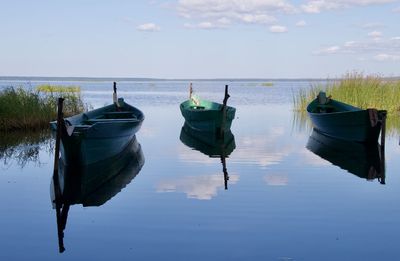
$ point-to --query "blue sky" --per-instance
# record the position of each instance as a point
(199, 38)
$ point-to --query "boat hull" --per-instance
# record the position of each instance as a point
(352, 124)
(99, 134)
(208, 116)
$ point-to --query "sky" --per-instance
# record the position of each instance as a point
(199, 39)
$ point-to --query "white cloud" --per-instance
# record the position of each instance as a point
(301, 23)
(149, 27)
(376, 48)
(383, 57)
(278, 29)
(234, 11)
(396, 10)
(328, 50)
(375, 34)
(372, 25)
(203, 187)
(317, 6)
(276, 180)
(205, 25)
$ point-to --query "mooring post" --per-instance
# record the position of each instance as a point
(383, 128)
(60, 125)
(190, 91)
(225, 170)
(56, 181)
(226, 97)
(382, 147)
(115, 99)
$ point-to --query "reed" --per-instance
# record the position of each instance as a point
(355, 89)
(22, 109)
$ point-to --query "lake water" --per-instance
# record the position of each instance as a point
(282, 202)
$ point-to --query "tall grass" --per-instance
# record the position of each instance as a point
(22, 109)
(355, 89)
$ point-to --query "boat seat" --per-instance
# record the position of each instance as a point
(92, 121)
(321, 108)
(119, 115)
(197, 107)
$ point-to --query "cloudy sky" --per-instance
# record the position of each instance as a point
(199, 38)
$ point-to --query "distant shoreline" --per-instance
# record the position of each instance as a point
(132, 79)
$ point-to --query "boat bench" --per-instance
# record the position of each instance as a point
(321, 108)
(119, 114)
(92, 121)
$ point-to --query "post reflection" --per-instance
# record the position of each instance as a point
(211, 145)
(366, 161)
(92, 185)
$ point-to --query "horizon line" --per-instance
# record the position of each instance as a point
(90, 78)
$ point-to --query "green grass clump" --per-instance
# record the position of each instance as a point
(22, 109)
(58, 88)
(267, 84)
(356, 89)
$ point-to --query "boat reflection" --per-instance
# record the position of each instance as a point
(93, 185)
(210, 144)
(362, 160)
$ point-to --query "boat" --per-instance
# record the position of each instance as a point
(93, 185)
(364, 160)
(208, 116)
(344, 121)
(95, 135)
(210, 145)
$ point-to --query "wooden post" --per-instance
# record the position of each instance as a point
(226, 97)
(190, 91)
(383, 128)
(60, 125)
(225, 170)
(382, 147)
(56, 181)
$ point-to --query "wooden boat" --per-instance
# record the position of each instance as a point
(343, 121)
(208, 144)
(93, 185)
(363, 160)
(207, 116)
(99, 134)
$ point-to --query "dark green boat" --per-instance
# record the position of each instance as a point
(363, 160)
(210, 145)
(99, 134)
(208, 116)
(343, 121)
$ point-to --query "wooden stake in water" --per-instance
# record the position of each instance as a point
(226, 97)
(190, 91)
(383, 127)
(56, 181)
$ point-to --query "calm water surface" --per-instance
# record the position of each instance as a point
(282, 202)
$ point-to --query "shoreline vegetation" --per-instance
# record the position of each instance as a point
(29, 110)
(360, 91)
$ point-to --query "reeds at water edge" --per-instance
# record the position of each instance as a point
(25, 109)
